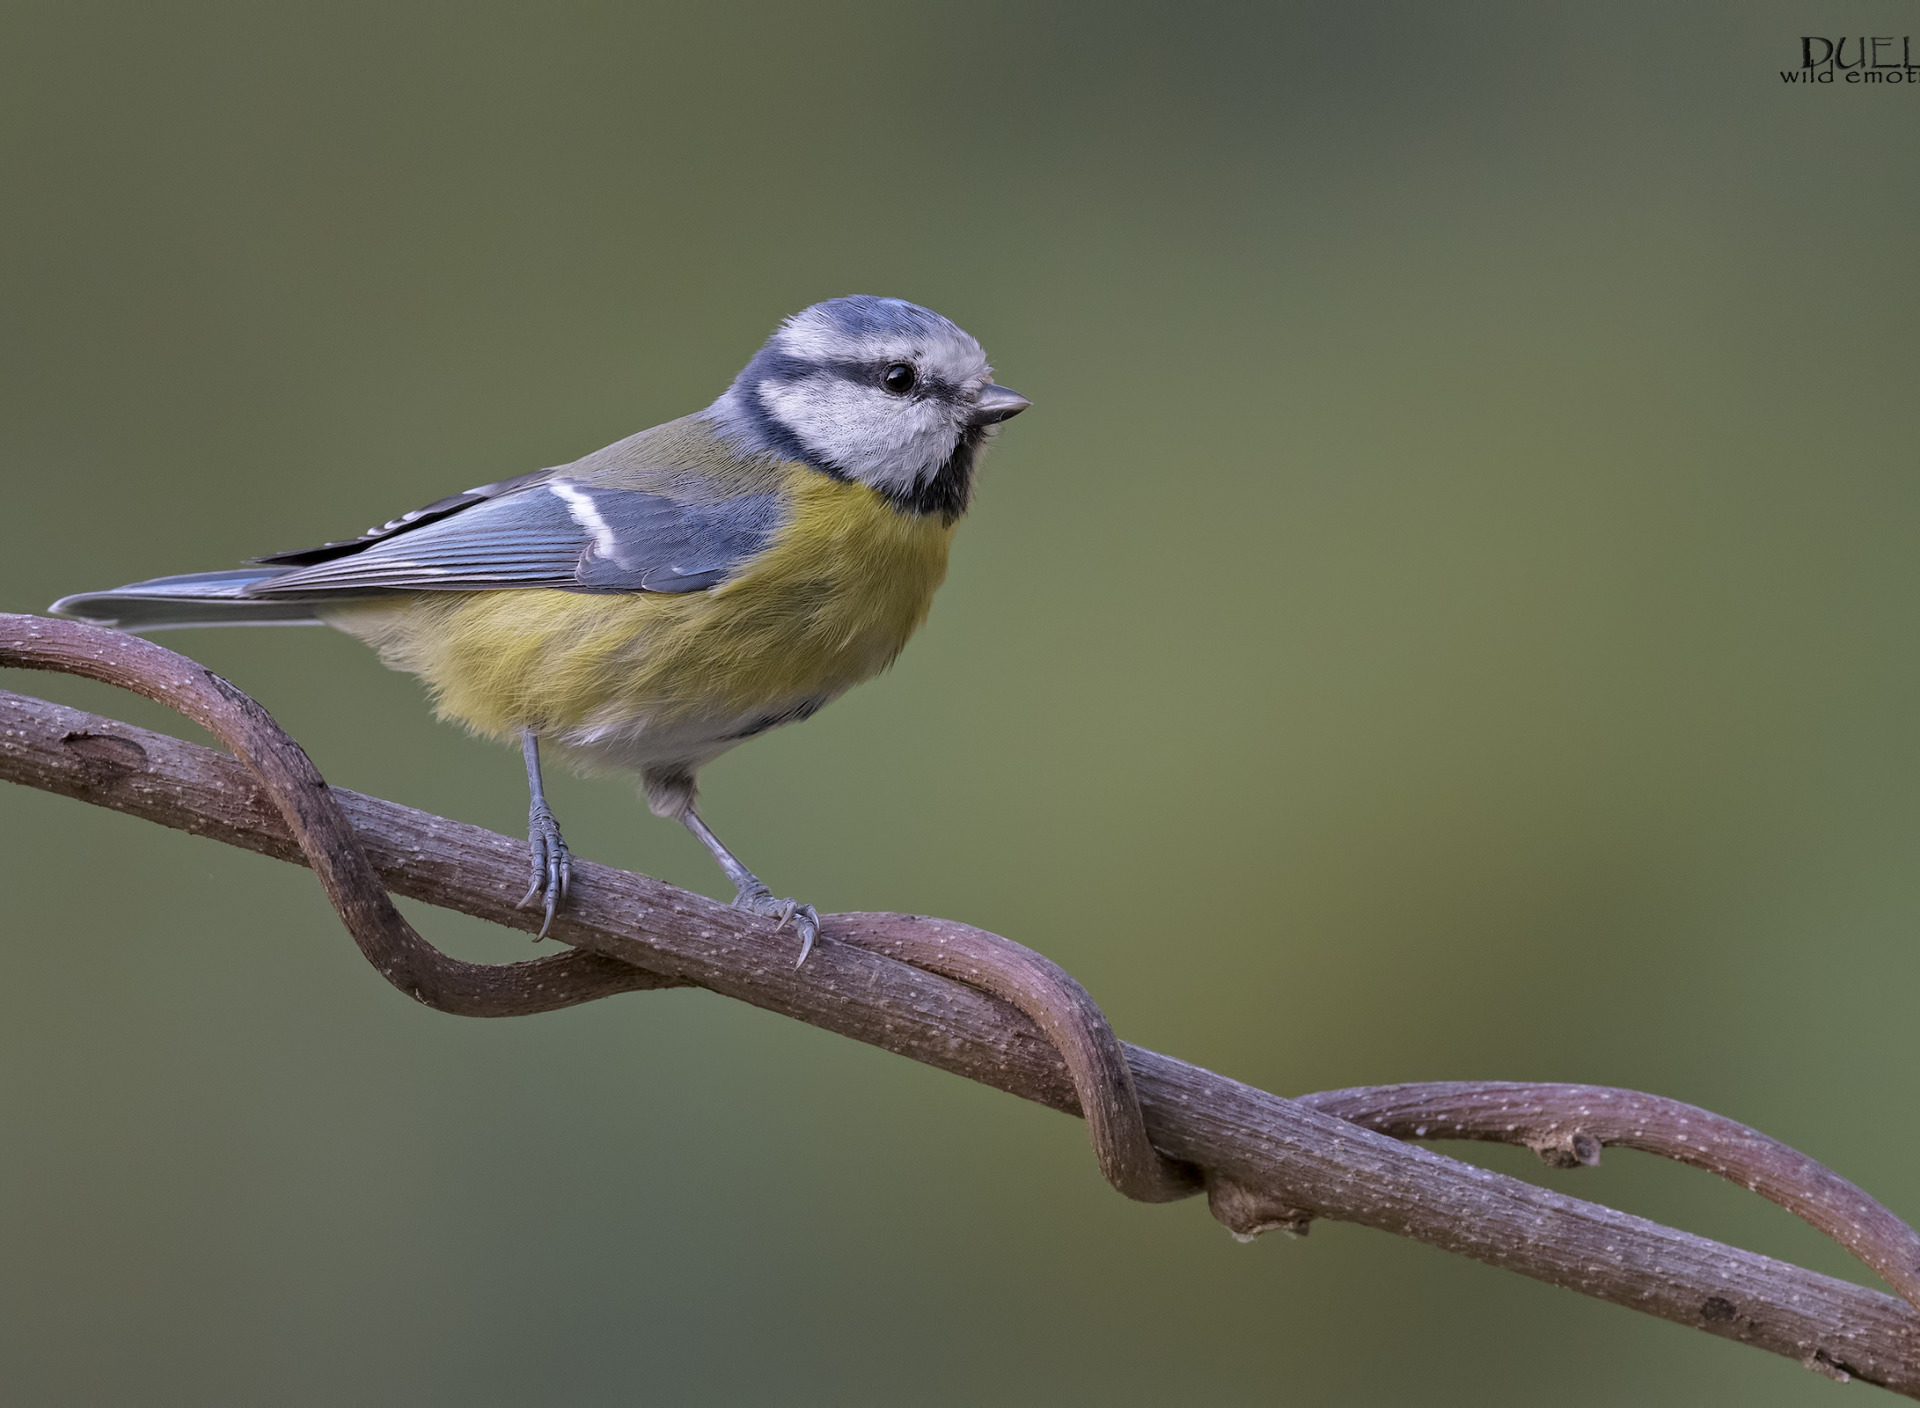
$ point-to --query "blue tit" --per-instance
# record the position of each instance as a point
(649, 606)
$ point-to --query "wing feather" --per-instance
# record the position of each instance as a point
(418, 518)
(558, 533)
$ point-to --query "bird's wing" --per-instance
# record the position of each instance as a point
(419, 518)
(550, 532)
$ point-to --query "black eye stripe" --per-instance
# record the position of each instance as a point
(874, 373)
(866, 373)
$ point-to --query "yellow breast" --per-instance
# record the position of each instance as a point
(831, 601)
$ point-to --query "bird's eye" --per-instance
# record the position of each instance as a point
(898, 378)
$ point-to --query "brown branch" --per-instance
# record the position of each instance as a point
(1568, 1125)
(1268, 1161)
(1041, 989)
(322, 831)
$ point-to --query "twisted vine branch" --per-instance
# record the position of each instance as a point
(976, 1004)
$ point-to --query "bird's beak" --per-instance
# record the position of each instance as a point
(996, 404)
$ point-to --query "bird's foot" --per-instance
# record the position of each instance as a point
(756, 898)
(552, 865)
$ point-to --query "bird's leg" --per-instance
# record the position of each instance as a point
(752, 894)
(552, 866)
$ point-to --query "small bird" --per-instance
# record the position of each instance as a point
(649, 606)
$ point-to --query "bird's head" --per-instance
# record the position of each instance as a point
(876, 390)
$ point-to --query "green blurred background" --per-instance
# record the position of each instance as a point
(1448, 614)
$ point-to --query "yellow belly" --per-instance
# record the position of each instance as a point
(830, 603)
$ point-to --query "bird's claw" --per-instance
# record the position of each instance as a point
(758, 899)
(552, 865)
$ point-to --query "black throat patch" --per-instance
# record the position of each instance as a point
(950, 489)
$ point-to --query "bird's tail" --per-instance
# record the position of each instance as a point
(196, 599)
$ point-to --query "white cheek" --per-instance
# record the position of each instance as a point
(861, 430)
